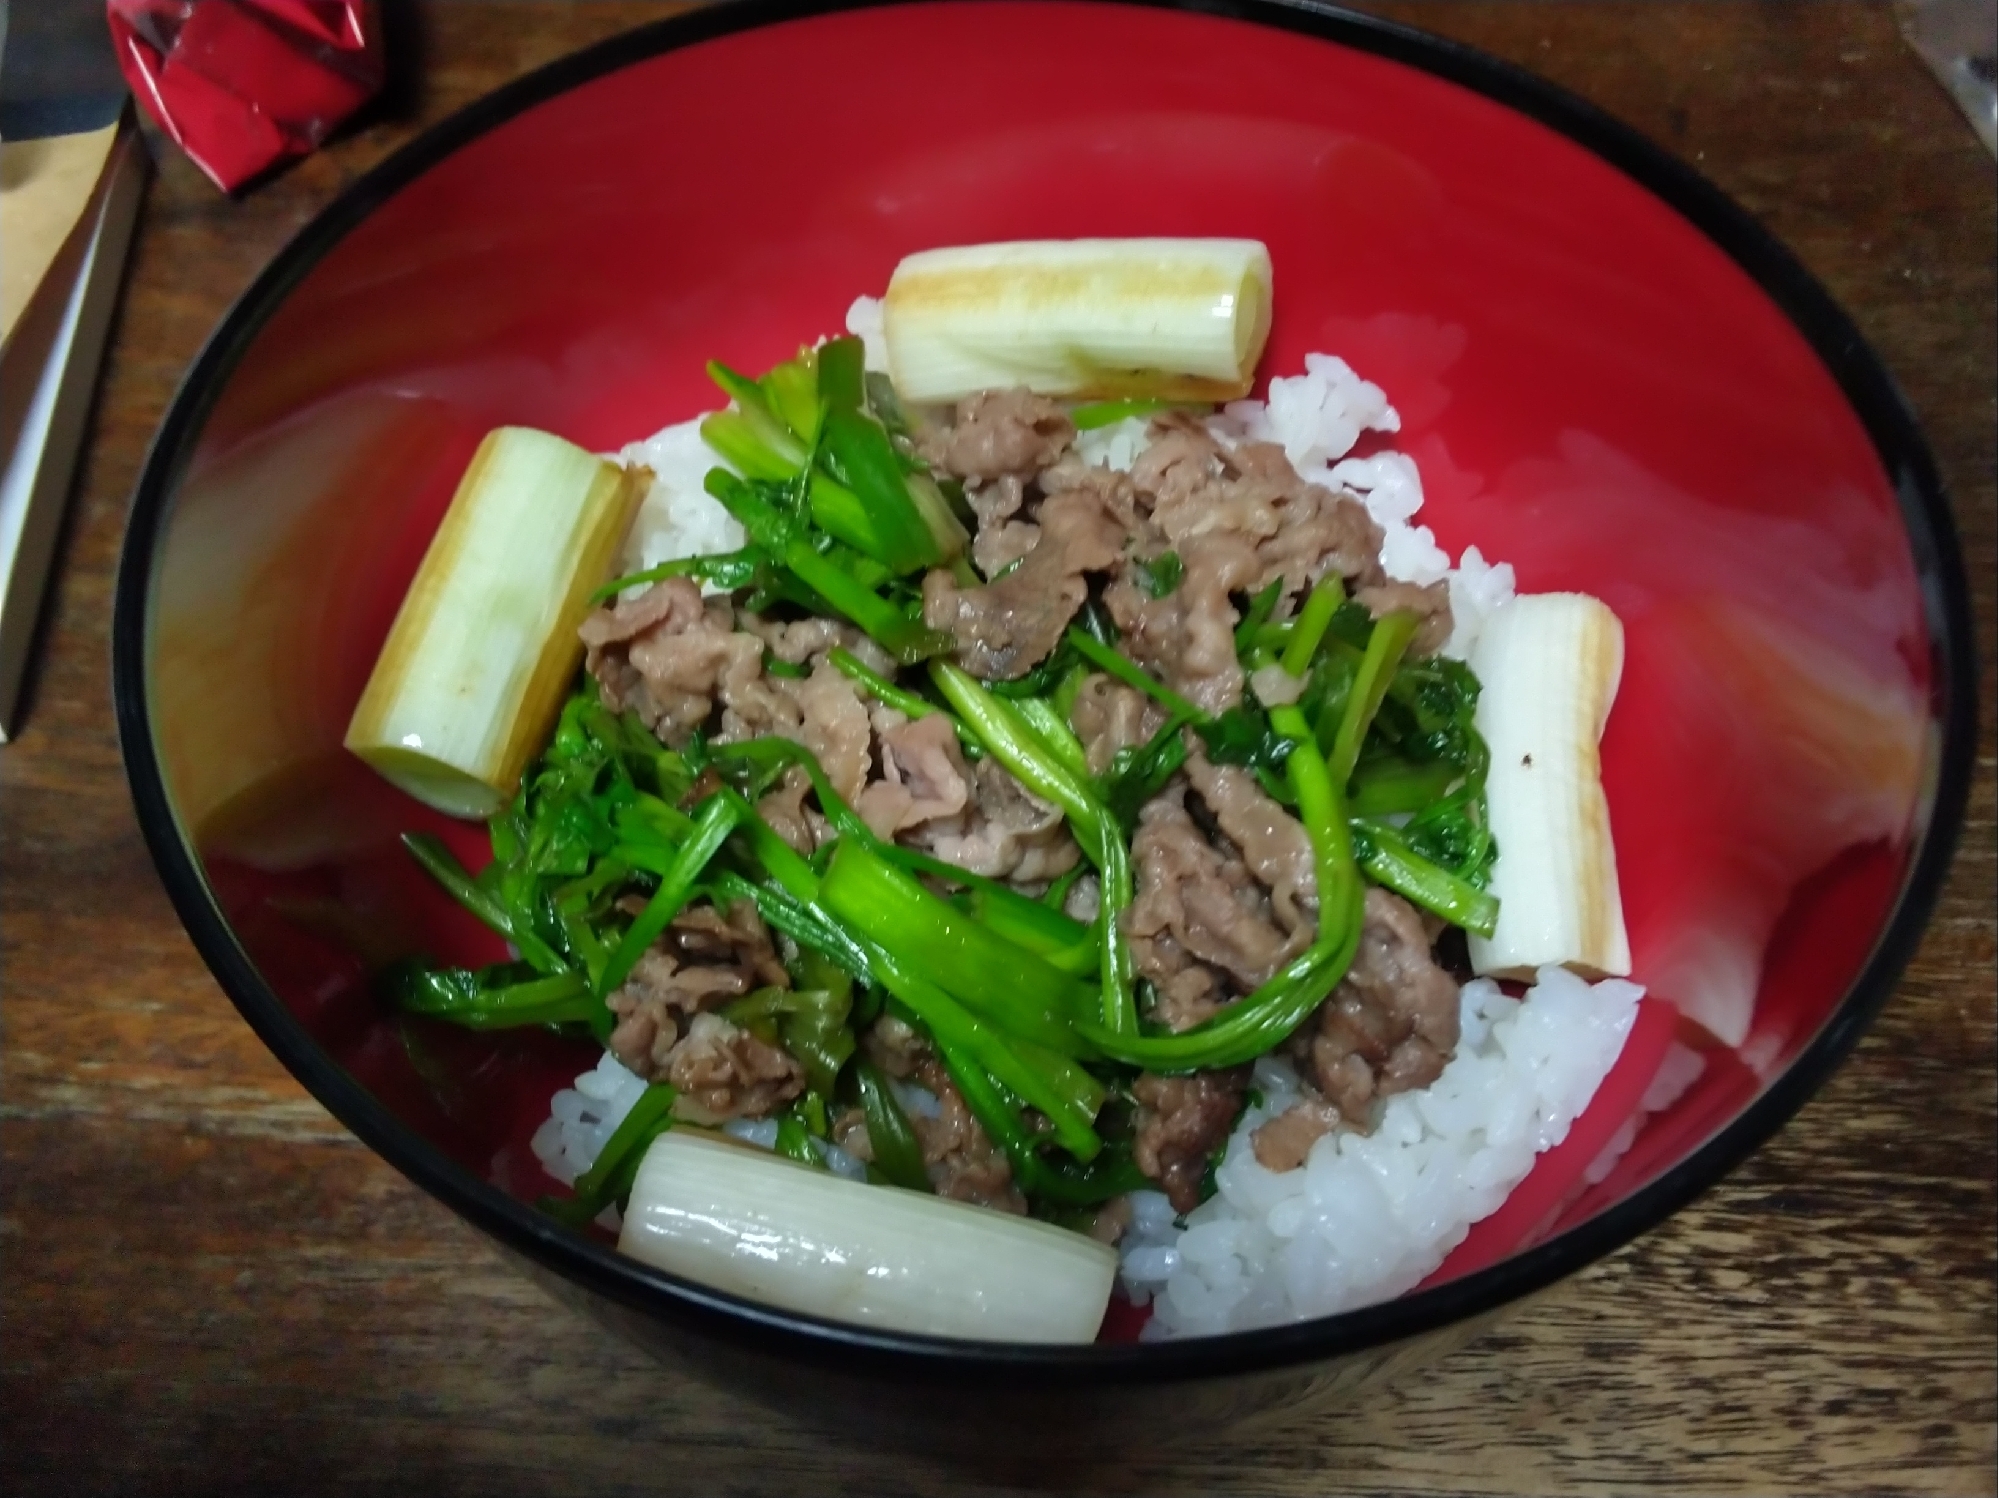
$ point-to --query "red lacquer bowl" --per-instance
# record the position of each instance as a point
(1609, 375)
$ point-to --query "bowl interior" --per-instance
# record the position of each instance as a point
(1593, 390)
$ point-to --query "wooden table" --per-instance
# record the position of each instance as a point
(209, 1286)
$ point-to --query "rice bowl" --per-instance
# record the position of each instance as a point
(1798, 1040)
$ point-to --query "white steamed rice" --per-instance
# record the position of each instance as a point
(1366, 1218)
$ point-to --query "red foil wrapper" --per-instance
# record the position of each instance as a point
(241, 85)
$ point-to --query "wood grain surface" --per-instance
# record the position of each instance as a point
(207, 1286)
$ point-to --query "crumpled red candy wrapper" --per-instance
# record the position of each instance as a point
(241, 85)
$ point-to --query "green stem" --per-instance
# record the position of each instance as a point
(860, 456)
(1320, 807)
(562, 999)
(1254, 1025)
(1112, 1173)
(1312, 622)
(1053, 731)
(1109, 413)
(884, 691)
(1257, 615)
(1382, 788)
(1027, 923)
(444, 867)
(1120, 995)
(794, 1142)
(727, 570)
(1129, 672)
(716, 821)
(900, 636)
(1014, 746)
(649, 1117)
(898, 1154)
(1385, 648)
(1006, 984)
(1261, 1021)
(776, 751)
(955, 1027)
(1389, 860)
(1008, 739)
(752, 440)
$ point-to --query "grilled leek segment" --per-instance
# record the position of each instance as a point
(1550, 664)
(765, 1227)
(481, 654)
(1168, 319)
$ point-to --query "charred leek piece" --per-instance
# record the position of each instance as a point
(760, 1226)
(1166, 319)
(481, 654)
(1550, 664)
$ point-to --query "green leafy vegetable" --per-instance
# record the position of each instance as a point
(1312, 622)
(1243, 736)
(785, 540)
(717, 819)
(1137, 773)
(608, 1180)
(1088, 418)
(1008, 985)
(728, 570)
(898, 1155)
(1108, 659)
(1389, 860)
(1161, 576)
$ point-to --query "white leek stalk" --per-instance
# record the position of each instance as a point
(1549, 665)
(475, 667)
(1173, 319)
(765, 1227)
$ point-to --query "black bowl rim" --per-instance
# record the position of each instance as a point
(1869, 389)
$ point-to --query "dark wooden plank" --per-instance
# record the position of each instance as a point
(208, 1286)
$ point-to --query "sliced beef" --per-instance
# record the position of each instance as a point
(1272, 842)
(833, 724)
(808, 641)
(1186, 991)
(665, 653)
(1114, 491)
(1181, 1122)
(1240, 518)
(1284, 1142)
(705, 959)
(923, 774)
(785, 810)
(999, 433)
(896, 1047)
(753, 703)
(1429, 602)
(1319, 531)
(1004, 831)
(722, 1071)
(1000, 540)
(672, 657)
(649, 1005)
(1109, 716)
(1300, 531)
(1112, 1220)
(1203, 899)
(959, 1157)
(1004, 628)
(1188, 636)
(1392, 1024)
(705, 936)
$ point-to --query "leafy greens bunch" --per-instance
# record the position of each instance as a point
(1035, 1015)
